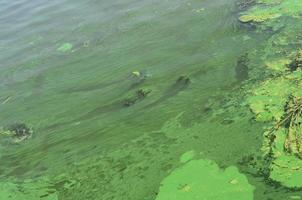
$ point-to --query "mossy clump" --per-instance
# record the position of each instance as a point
(18, 132)
(296, 62)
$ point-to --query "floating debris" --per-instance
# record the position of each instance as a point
(7, 99)
(136, 73)
(139, 95)
(65, 47)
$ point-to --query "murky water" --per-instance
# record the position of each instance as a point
(138, 84)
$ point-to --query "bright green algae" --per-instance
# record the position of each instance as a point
(203, 179)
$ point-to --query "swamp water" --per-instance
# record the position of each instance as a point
(133, 100)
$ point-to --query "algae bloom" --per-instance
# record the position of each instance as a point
(277, 99)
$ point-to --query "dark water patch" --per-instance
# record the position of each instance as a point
(116, 106)
(90, 87)
(296, 62)
(181, 84)
(38, 83)
(243, 5)
(132, 80)
(113, 107)
(241, 69)
(139, 96)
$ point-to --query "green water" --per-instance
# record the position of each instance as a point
(66, 69)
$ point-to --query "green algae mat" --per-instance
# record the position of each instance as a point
(274, 99)
(202, 179)
(151, 100)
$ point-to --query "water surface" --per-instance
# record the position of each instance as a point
(74, 99)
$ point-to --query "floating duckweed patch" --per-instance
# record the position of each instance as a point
(65, 47)
(203, 179)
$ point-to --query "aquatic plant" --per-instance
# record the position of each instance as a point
(292, 121)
